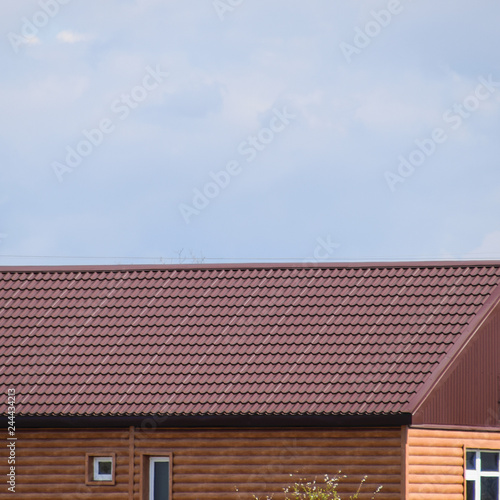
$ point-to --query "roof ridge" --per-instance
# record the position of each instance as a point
(254, 265)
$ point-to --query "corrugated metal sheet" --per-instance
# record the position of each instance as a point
(276, 339)
(469, 393)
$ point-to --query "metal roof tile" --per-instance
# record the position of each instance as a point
(284, 339)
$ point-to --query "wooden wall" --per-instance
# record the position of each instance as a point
(50, 465)
(207, 463)
(435, 461)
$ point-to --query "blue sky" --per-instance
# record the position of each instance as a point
(162, 131)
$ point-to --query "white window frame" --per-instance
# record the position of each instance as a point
(476, 474)
(152, 461)
(102, 477)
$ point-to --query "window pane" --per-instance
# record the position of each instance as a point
(489, 461)
(104, 467)
(471, 490)
(161, 480)
(471, 460)
(489, 488)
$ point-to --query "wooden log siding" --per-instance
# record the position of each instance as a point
(50, 464)
(208, 464)
(211, 464)
(435, 461)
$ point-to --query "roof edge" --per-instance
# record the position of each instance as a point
(254, 265)
(151, 422)
(449, 359)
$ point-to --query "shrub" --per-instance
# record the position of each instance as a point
(327, 490)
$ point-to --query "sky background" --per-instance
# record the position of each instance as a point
(311, 106)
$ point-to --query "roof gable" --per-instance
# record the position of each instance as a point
(467, 390)
(232, 340)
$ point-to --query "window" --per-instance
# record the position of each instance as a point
(103, 468)
(159, 478)
(156, 476)
(100, 468)
(482, 475)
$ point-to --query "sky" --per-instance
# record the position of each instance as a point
(224, 131)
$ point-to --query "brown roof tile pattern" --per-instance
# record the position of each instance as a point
(256, 339)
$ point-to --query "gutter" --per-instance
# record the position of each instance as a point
(151, 422)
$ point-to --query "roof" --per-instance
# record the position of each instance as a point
(346, 339)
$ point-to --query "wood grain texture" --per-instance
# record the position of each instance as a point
(436, 461)
(206, 463)
(214, 463)
(50, 464)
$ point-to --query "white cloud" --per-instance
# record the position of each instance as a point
(68, 36)
(31, 40)
(489, 248)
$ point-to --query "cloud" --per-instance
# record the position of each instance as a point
(28, 40)
(68, 36)
(489, 248)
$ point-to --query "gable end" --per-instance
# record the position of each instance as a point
(469, 393)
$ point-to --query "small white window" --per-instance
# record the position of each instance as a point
(100, 468)
(103, 469)
(482, 475)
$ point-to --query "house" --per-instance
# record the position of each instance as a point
(219, 381)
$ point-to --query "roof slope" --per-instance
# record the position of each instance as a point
(215, 339)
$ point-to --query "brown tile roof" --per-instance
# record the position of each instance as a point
(224, 339)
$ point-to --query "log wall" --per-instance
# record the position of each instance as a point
(435, 461)
(50, 464)
(207, 464)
